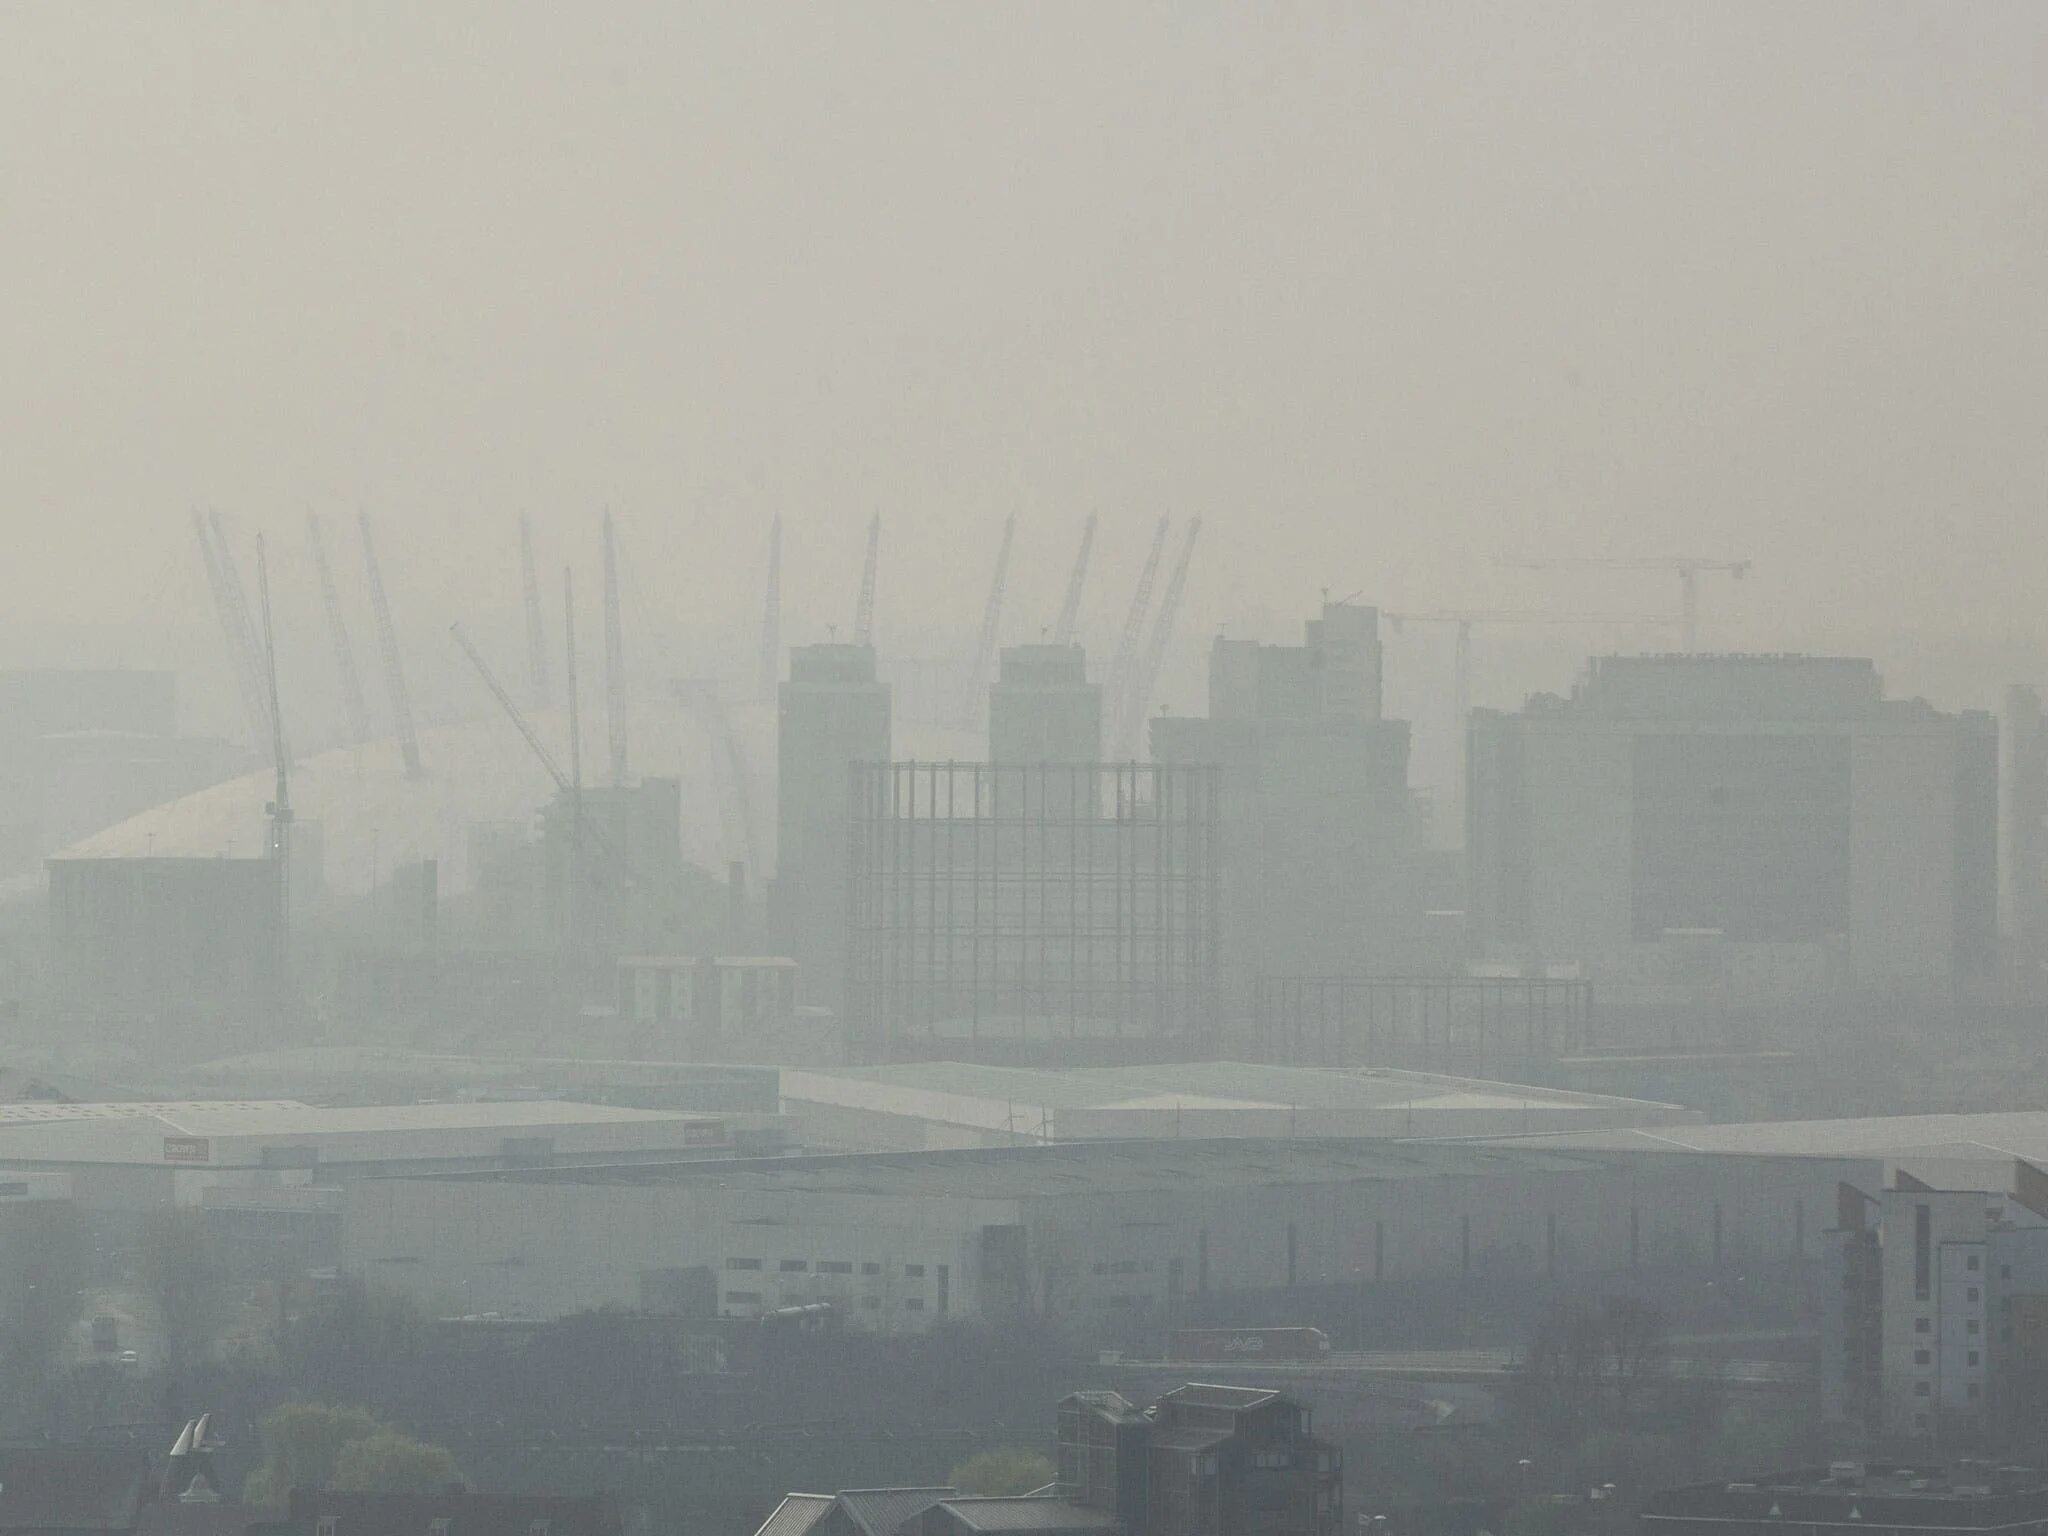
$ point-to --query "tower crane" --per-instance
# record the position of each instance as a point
(864, 611)
(536, 631)
(247, 682)
(337, 634)
(614, 657)
(394, 669)
(1146, 679)
(1134, 626)
(770, 669)
(1070, 607)
(247, 642)
(1688, 569)
(279, 810)
(991, 623)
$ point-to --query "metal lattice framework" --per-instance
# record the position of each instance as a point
(1031, 903)
(1431, 1024)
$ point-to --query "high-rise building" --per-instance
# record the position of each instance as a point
(1321, 846)
(1778, 805)
(2023, 852)
(1043, 709)
(834, 713)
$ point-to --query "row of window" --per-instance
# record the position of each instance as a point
(1926, 1325)
(825, 1267)
(1924, 1357)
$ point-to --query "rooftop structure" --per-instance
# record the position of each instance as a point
(1966, 1497)
(939, 1104)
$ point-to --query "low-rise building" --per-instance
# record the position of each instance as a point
(1966, 1499)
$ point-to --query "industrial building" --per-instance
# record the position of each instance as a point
(1321, 846)
(956, 1104)
(1026, 907)
(144, 1157)
(1764, 826)
(707, 1005)
(834, 713)
(1075, 1231)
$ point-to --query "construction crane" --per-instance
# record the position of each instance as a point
(864, 611)
(247, 642)
(991, 623)
(1134, 627)
(770, 669)
(247, 682)
(337, 634)
(394, 670)
(614, 658)
(536, 631)
(279, 810)
(1688, 568)
(1146, 679)
(1070, 607)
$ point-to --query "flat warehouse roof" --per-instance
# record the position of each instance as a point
(1111, 1167)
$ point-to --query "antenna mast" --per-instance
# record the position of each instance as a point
(1146, 678)
(864, 613)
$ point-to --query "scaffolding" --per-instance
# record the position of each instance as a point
(1019, 905)
(1464, 1024)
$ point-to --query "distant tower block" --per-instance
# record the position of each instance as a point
(1043, 709)
(834, 713)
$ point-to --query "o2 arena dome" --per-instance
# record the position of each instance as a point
(370, 817)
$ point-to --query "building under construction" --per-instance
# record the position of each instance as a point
(998, 909)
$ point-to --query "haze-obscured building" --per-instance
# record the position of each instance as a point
(2023, 851)
(834, 713)
(1032, 910)
(1767, 824)
(1321, 847)
(1042, 708)
(163, 938)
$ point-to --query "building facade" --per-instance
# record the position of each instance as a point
(1776, 806)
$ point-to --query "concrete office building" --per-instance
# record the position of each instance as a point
(833, 714)
(2023, 846)
(1042, 708)
(1775, 808)
(1080, 1231)
(1322, 848)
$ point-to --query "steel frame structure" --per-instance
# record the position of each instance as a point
(1429, 1024)
(1031, 903)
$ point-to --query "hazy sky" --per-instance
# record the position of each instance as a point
(1388, 293)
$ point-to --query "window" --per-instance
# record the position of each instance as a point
(914, 1271)
(329, 1525)
(439, 1525)
(1919, 1421)
(871, 1269)
(1920, 1357)
(1923, 1325)
(793, 1266)
(2005, 1271)
(1974, 1390)
(1972, 1294)
(834, 1267)
(1973, 1357)
(743, 1298)
(1972, 1326)
(913, 1303)
(871, 1303)
(742, 1263)
(538, 1528)
(1971, 1263)
(1920, 1389)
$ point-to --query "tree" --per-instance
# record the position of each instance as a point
(1003, 1473)
(391, 1462)
(317, 1445)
